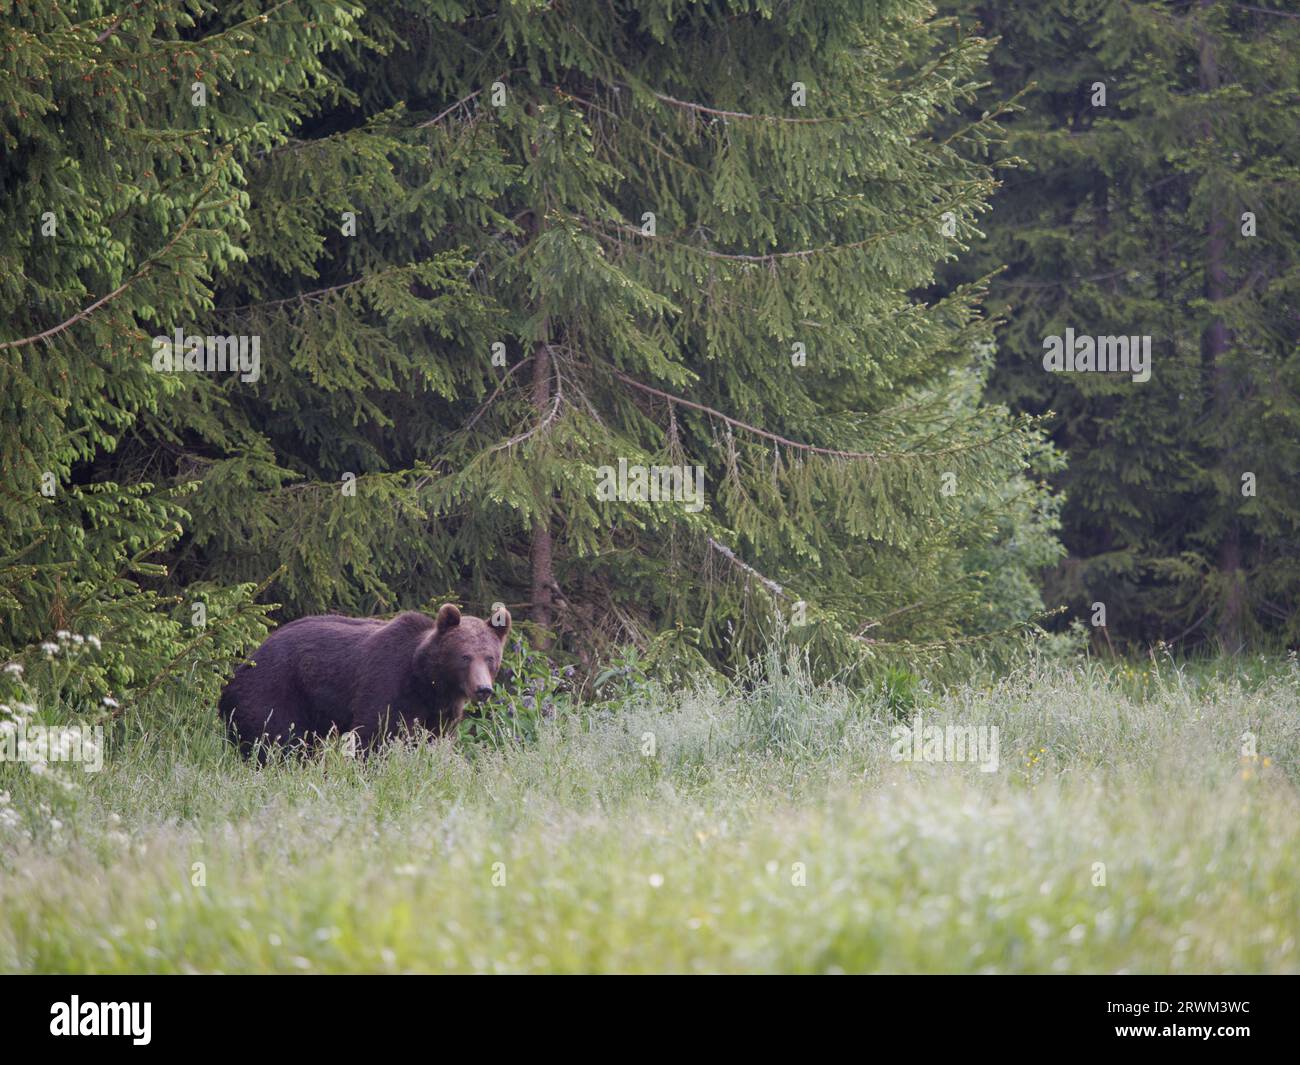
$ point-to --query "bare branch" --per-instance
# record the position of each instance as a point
(811, 121)
(550, 417)
(873, 456)
(834, 452)
(443, 114)
(731, 557)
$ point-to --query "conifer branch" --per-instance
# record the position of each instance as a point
(302, 297)
(961, 641)
(444, 113)
(779, 592)
(112, 26)
(492, 398)
(649, 141)
(550, 417)
(740, 564)
(145, 267)
(460, 103)
(1006, 107)
(746, 116)
(207, 633)
(713, 412)
(873, 456)
(1267, 11)
(770, 257)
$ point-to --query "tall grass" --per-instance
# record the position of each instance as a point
(769, 830)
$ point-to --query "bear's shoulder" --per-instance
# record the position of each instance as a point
(329, 621)
(410, 621)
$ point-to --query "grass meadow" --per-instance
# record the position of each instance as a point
(1129, 827)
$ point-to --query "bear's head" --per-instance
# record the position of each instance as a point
(462, 654)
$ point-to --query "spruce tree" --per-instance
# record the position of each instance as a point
(125, 132)
(1159, 195)
(540, 239)
(491, 253)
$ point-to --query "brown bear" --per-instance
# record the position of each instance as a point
(370, 677)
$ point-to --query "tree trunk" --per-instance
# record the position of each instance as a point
(1215, 343)
(542, 612)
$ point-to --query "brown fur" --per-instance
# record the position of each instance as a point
(376, 678)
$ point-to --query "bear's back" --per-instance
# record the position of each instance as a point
(303, 676)
(325, 672)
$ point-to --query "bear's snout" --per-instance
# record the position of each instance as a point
(478, 682)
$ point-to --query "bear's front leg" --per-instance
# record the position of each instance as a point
(371, 727)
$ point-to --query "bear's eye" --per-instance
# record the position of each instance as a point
(464, 658)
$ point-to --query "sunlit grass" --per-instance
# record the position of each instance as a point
(1126, 829)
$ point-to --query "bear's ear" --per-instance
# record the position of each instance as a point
(500, 621)
(448, 617)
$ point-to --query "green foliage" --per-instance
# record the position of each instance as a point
(773, 225)
(623, 682)
(389, 196)
(122, 201)
(899, 689)
(530, 690)
(1129, 217)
